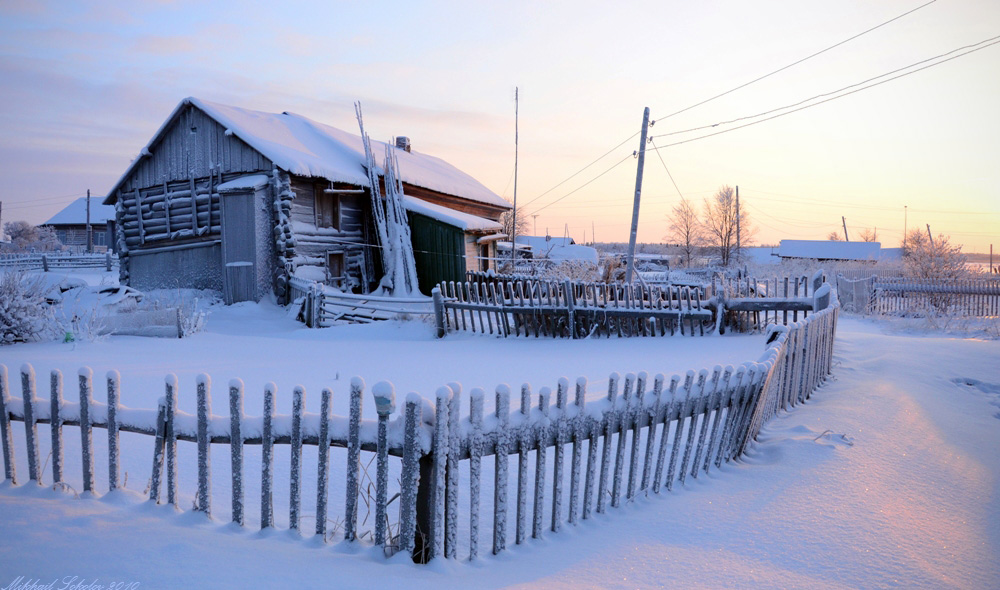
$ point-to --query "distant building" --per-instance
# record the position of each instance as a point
(70, 225)
(551, 248)
(829, 250)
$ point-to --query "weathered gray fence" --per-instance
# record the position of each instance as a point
(978, 297)
(53, 261)
(322, 306)
(641, 438)
(570, 309)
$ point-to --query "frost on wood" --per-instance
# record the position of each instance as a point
(451, 492)
(635, 420)
(114, 394)
(267, 459)
(652, 413)
(439, 450)
(323, 464)
(86, 430)
(204, 444)
(236, 447)
(524, 445)
(7, 437)
(543, 422)
(562, 394)
(609, 428)
(295, 476)
(697, 409)
(170, 402)
(55, 423)
(353, 460)
(385, 404)
(391, 225)
(475, 467)
(30, 427)
(578, 436)
(500, 479)
(622, 414)
(410, 474)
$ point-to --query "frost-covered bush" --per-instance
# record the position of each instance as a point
(933, 259)
(574, 270)
(24, 313)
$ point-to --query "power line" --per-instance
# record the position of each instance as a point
(994, 40)
(669, 175)
(795, 63)
(810, 99)
(619, 163)
(570, 177)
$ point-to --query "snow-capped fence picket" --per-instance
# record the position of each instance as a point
(689, 423)
(979, 297)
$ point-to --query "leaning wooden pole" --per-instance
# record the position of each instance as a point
(630, 266)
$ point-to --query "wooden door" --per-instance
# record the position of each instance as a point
(239, 245)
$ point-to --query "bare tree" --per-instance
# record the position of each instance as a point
(507, 221)
(720, 222)
(25, 236)
(686, 229)
(933, 259)
(869, 235)
(834, 236)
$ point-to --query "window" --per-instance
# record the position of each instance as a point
(484, 257)
(327, 208)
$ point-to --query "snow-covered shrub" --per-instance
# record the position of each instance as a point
(574, 270)
(933, 259)
(24, 314)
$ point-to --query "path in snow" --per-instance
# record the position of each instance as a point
(887, 477)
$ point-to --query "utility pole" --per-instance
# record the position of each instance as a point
(90, 231)
(534, 220)
(738, 243)
(929, 236)
(593, 232)
(513, 228)
(1, 221)
(630, 265)
(904, 229)
(991, 257)
(844, 221)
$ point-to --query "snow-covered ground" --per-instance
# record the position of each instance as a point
(887, 477)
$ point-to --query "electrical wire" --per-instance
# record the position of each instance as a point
(825, 94)
(797, 62)
(667, 169)
(995, 41)
(619, 163)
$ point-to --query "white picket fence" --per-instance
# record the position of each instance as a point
(977, 297)
(635, 441)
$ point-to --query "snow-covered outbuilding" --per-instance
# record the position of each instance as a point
(829, 250)
(239, 200)
(553, 248)
(70, 224)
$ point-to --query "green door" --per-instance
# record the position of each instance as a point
(438, 250)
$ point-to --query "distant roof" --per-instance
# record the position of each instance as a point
(76, 213)
(829, 250)
(538, 243)
(304, 147)
(463, 221)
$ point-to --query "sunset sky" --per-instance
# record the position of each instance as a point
(85, 86)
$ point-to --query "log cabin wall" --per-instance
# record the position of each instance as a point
(331, 224)
(168, 203)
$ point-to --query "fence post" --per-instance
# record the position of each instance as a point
(86, 430)
(45, 263)
(439, 471)
(204, 442)
(55, 423)
(236, 446)
(170, 400)
(114, 395)
(107, 261)
(353, 460)
(30, 427)
(156, 476)
(409, 475)
(570, 307)
(475, 467)
(438, 311)
(9, 468)
(267, 459)
(385, 404)
(295, 476)
(451, 490)
(501, 469)
(323, 463)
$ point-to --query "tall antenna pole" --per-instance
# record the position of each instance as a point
(844, 221)
(513, 226)
(737, 223)
(904, 229)
(929, 236)
(635, 205)
(90, 231)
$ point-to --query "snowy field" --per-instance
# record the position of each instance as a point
(888, 477)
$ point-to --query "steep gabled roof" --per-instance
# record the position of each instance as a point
(76, 213)
(304, 147)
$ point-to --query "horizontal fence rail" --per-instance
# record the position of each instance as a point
(574, 458)
(322, 306)
(47, 262)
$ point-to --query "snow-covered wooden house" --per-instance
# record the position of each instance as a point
(70, 225)
(238, 201)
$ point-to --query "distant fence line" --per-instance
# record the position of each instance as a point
(707, 418)
(978, 297)
(52, 261)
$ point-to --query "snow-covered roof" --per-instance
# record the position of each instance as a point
(302, 146)
(463, 221)
(569, 252)
(76, 213)
(829, 250)
(543, 242)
